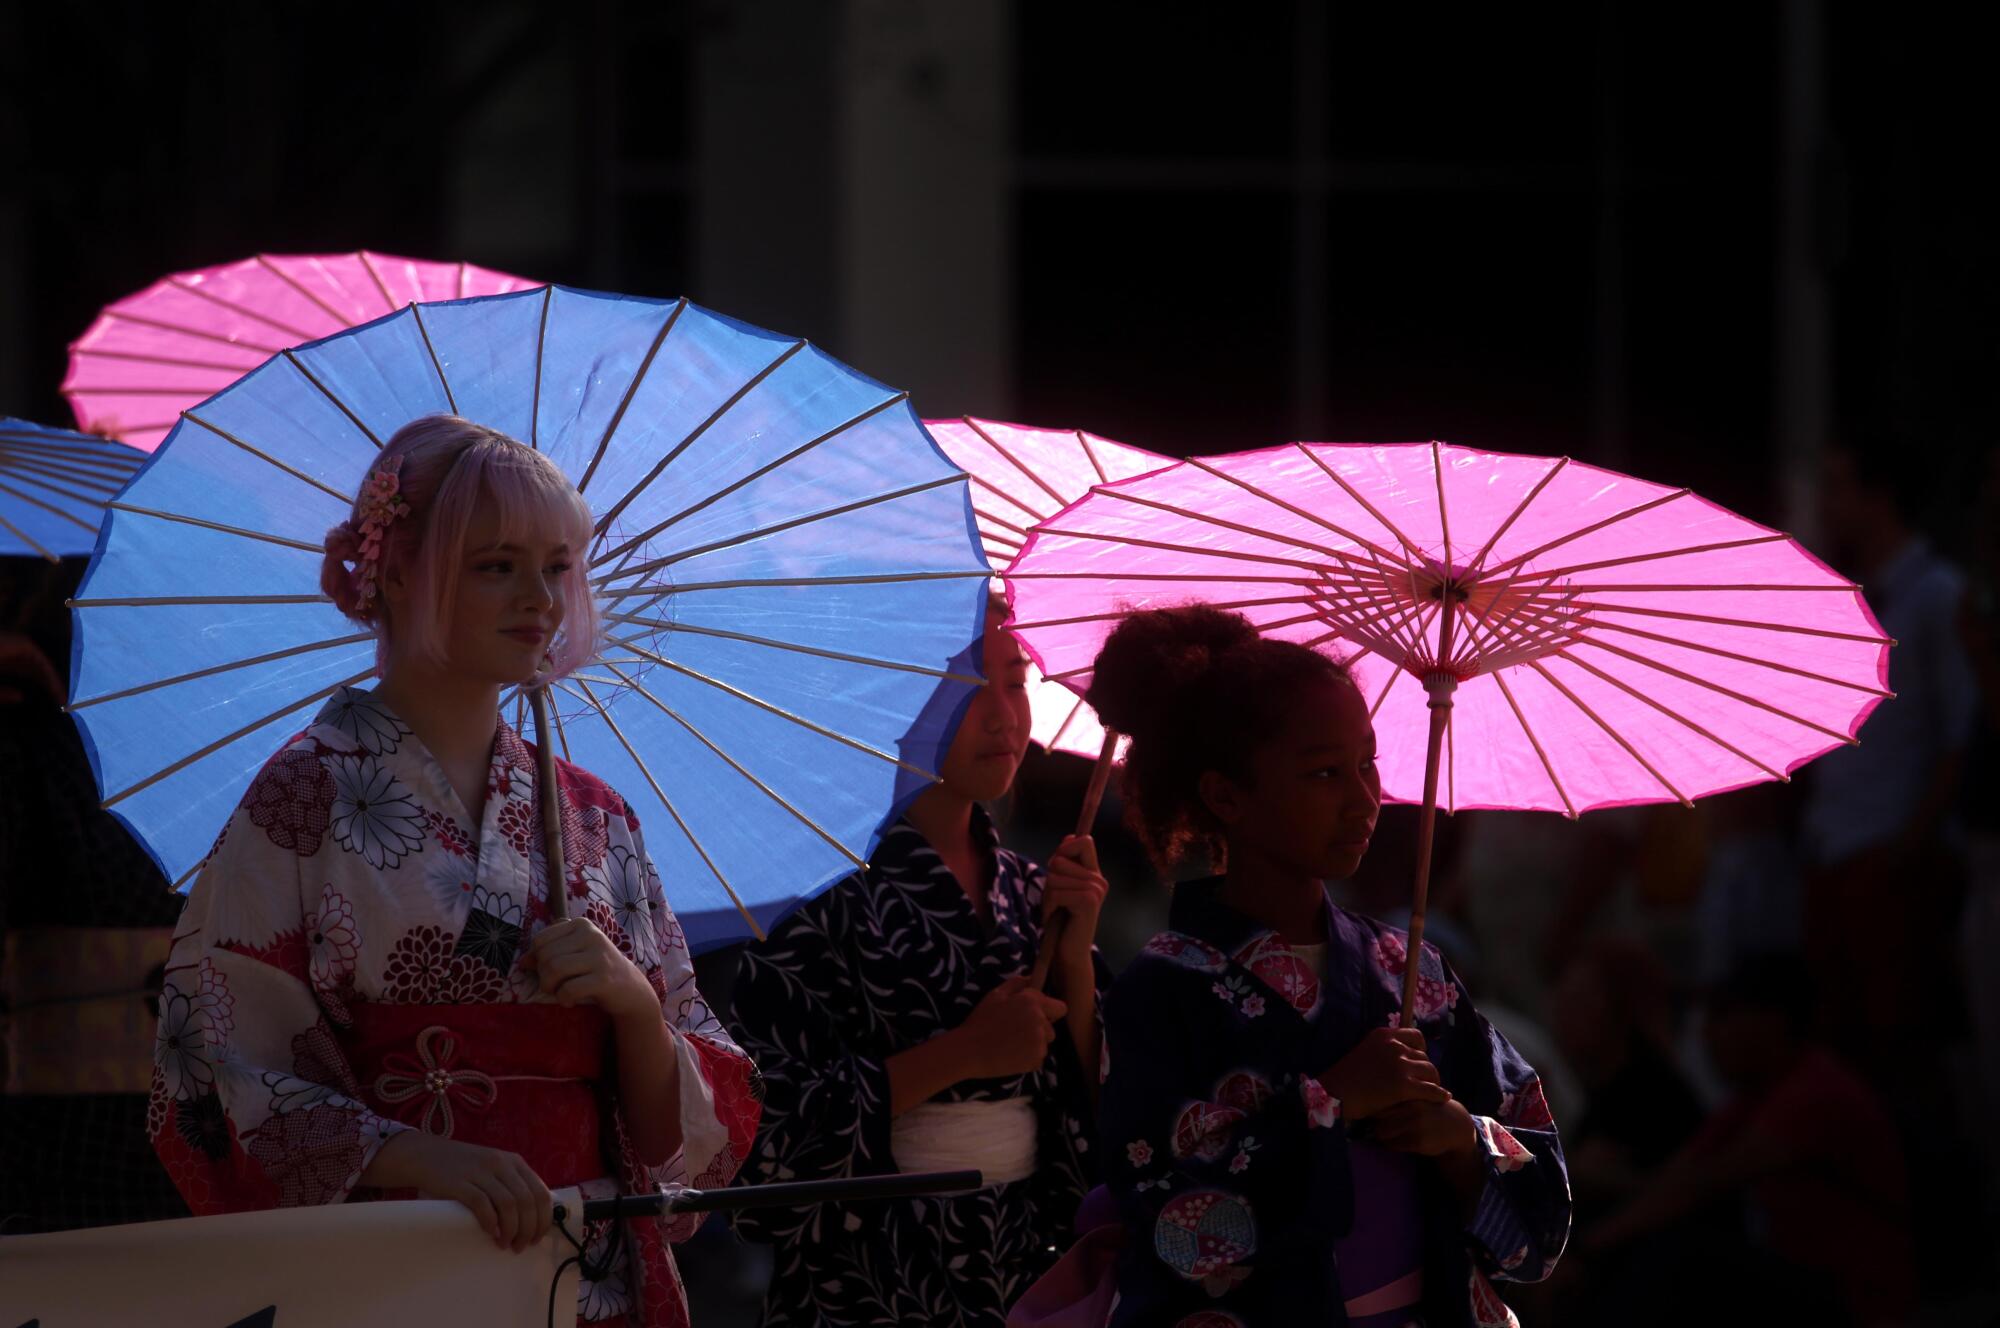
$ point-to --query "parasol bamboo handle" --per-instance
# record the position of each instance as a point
(1440, 687)
(672, 1199)
(545, 783)
(1100, 778)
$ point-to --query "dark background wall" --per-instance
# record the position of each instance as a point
(1695, 243)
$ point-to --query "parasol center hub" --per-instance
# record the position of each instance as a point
(1440, 584)
(1439, 686)
(1429, 617)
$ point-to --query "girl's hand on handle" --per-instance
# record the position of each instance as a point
(1445, 1133)
(1428, 1129)
(495, 1186)
(1388, 1067)
(1077, 887)
(1009, 1031)
(577, 964)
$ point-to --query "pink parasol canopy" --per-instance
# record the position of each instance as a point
(153, 354)
(1615, 642)
(1022, 475)
(1529, 633)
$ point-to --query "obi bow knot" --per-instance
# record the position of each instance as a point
(431, 1074)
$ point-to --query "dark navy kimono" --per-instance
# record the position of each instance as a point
(880, 963)
(1237, 1179)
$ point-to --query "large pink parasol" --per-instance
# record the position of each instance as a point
(153, 354)
(1022, 475)
(1529, 633)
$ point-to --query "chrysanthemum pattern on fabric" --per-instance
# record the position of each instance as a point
(291, 800)
(374, 815)
(351, 875)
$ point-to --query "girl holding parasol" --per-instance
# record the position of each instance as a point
(1281, 1150)
(371, 992)
(898, 1030)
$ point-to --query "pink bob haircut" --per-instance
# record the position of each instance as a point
(452, 468)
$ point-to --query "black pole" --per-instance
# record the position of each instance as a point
(783, 1194)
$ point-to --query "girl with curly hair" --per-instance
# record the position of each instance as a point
(1280, 1151)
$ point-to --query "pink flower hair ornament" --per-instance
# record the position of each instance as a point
(381, 504)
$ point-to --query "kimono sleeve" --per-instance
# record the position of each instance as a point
(826, 1105)
(719, 1090)
(1249, 1155)
(1521, 1223)
(254, 1104)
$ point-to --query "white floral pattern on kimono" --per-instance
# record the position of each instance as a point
(350, 873)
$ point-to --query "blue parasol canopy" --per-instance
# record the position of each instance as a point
(791, 581)
(53, 487)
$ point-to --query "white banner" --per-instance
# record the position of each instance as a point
(419, 1262)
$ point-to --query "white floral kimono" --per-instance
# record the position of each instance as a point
(348, 966)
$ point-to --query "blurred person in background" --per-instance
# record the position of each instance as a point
(86, 920)
(1529, 886)
(1613, 1018)
(1749, 895)
(1805, 1149)
(1979, 810)
(1884, 873)
(1883, 848)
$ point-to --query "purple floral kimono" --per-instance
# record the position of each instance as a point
(1246, 1198)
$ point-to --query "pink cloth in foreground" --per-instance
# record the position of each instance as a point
(1080, 1290)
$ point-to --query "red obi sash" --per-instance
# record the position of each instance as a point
(526, 1078)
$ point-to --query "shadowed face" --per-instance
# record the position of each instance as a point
(994, 737)
(510, 602)
(1313, 791)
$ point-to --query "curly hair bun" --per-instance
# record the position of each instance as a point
(1153, 657)
(1196, 688)
(336, 575)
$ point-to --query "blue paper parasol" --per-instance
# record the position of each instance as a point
(53, 488)
(791, 581)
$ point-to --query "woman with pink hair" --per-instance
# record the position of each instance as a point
(367, 996)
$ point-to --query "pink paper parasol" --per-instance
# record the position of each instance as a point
(153, 354)
(1530, 633)
(1022, 475)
